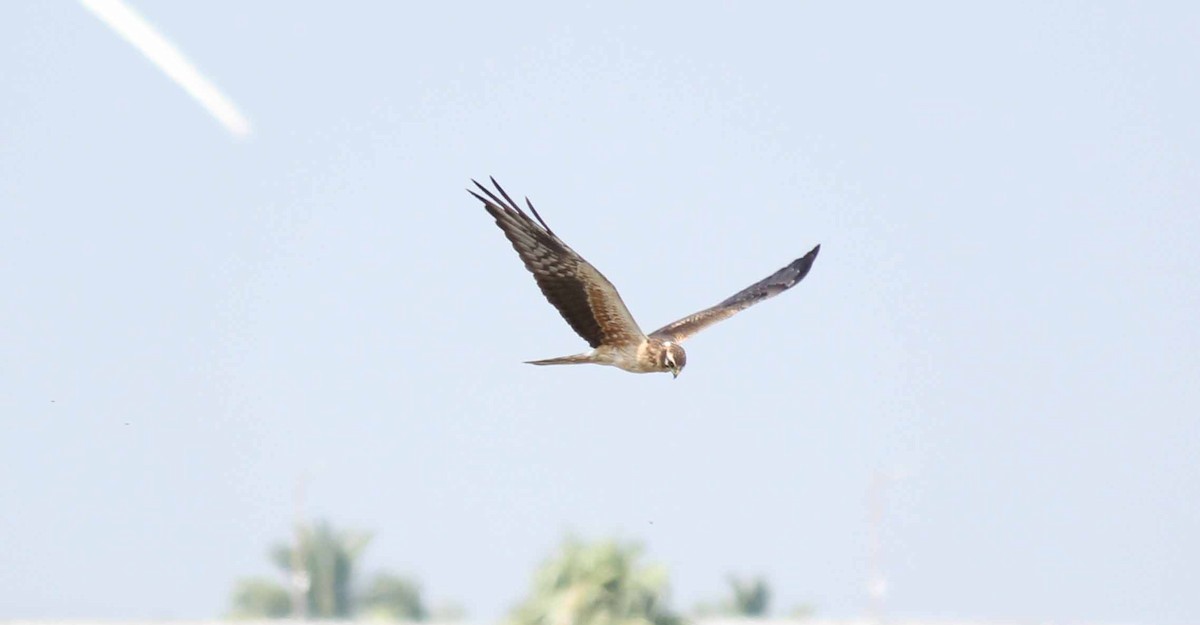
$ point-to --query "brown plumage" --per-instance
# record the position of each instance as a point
(591, 305)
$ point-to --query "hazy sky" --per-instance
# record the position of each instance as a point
(1004, 310)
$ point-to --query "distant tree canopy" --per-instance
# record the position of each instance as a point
(394, 598)
(322, 567)
(596, 584)
(750, 597)
(260, 598)
(747, 598)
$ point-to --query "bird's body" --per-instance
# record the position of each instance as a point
(592, 307)
(648, 356)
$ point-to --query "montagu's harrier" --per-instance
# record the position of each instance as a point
(591, 305)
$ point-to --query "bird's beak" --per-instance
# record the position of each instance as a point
(674, 373)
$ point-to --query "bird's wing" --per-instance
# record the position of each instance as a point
(767, 288)
(582, 295)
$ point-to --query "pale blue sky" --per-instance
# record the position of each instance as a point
(1005, 306)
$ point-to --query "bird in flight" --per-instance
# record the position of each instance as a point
(593, 308)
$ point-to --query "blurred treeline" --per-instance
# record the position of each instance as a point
(584, 583)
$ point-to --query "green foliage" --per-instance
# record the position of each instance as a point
(260, 598)
(394, 598)
(748, 599)
(329, 558)
(596, 584)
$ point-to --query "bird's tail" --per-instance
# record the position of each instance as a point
(577, 359)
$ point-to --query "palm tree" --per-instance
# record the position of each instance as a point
(596, 584)
(329, 558)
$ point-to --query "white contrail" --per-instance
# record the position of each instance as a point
(138, 32)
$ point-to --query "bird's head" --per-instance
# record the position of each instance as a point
(674, 358)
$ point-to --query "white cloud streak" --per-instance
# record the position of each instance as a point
(140, 34)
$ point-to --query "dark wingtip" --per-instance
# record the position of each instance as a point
(493, 203)
(803, 264)
(478, 197)
(511, 203)
(539, 217)
(481, 188)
